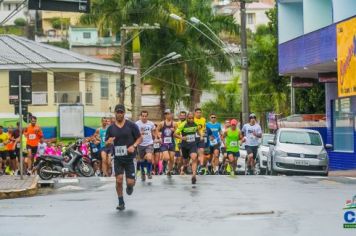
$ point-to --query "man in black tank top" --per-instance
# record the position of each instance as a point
(124, 136)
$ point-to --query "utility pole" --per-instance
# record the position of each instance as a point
(136, 106)
(122, 70)
(244, 63)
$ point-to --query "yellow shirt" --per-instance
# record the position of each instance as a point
(201, 122)
(4, 137)
(177, 140)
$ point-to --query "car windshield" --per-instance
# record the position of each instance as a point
(297, 137)
(266, 138)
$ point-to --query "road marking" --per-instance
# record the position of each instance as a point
(352, 178)
(317, 177)
(66, 181)
(107, 179)
(70, 188)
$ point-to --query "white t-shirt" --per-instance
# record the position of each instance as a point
(41, 148)
(251, 140)
(146, 131)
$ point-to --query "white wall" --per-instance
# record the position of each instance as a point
(317, 14)
(344, 9)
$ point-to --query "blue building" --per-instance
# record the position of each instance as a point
(317, 42)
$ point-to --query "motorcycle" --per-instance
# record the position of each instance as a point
(71, 161)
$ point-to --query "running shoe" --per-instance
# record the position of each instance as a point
(194, 180)
(120, 207)
(143, 177)
(129, 190)
(169, 174)
(149, 176)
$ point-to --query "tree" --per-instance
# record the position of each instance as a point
(310, 100)
(199, 54)
(20, 22)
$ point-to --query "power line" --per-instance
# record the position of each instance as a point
(14, 12)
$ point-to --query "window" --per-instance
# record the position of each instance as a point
(298, 137)
(343, 125)
(251, 18)
(104, 88)
(118, 87)
(86, 35)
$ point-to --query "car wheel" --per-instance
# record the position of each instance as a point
(257, 168)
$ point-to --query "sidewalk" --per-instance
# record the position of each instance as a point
(343, 173)
(13, 186)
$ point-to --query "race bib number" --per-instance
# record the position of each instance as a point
(32, 136)
(167, 140)
(95, 150)
(18, 145)
(213, 142)
(120, 151)
(205, 139)
(197, 135)
(233, 143)
(156, 145)
(190, 138)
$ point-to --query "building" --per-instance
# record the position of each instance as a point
(255, 11)
(317, 43)
(60, 76)
(50, 24)
(86, 41)
(7, 7)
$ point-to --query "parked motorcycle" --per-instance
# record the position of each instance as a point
(71, 161)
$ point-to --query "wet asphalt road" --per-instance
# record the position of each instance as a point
(217, 205)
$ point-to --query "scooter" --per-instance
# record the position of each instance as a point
(71, 161)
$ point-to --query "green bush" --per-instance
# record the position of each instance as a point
(57, 22)
(20, 22)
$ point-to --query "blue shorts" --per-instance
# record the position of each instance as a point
(168, 147)
(235, 154)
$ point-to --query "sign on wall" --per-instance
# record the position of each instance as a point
(71, 121)
(346, 58)
(60, 5)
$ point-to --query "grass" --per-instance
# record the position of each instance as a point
(16, 30)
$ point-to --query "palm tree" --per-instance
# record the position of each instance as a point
(200, 55)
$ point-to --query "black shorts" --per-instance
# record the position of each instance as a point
(235, 154)
(12, 154)
(223, 150)
(187, 150)
(201, 144)
(33, 149)
(215, 147)
(253, 150)
(127, 167)
(3, 155)
(107, 150)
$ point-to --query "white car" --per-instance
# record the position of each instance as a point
(298, 151)
(262, 154)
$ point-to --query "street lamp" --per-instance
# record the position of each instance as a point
(161, 61)
(176, 17)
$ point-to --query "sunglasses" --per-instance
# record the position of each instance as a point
(213, 117)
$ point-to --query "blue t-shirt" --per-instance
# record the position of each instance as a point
(102, 134)
(215, 130)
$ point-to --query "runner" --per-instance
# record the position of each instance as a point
(4, 139)
(180, 161)
(187, 132)
(145, 149)
(11, 151)
(124, 136)
(215, 141)
(201, 142)
(33, 135)
(223, 144)
(232, 137)
(167, 127)
(157, 165)
(105, 151)
(252, 133)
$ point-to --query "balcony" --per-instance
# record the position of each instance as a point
(39, 98)
(67, 97)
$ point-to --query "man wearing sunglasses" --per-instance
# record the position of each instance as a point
(214, 141)
(124, 136)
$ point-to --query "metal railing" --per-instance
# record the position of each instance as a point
(67, 97)
(39, 98)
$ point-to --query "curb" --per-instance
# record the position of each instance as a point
(16, 193)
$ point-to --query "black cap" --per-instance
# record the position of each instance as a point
(119, 107)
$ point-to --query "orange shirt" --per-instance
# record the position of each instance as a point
(11, 145)
(33, 135)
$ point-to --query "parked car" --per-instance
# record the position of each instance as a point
(298, 151)
(262, 153)
(241, 165)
